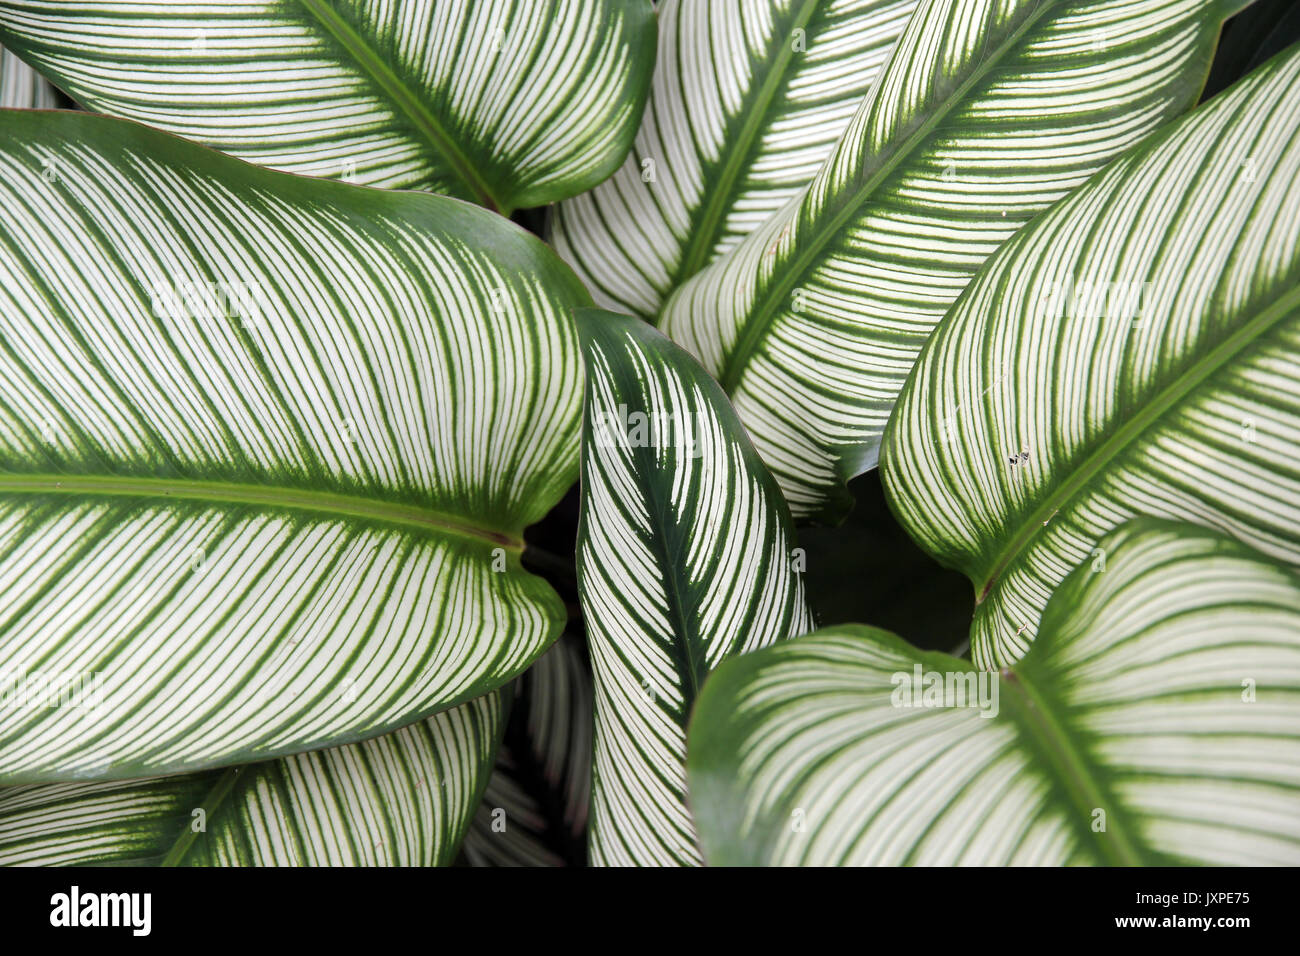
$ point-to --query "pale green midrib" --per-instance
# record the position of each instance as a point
(705, 234)
(765, 310)
(1072, 771)
(211, 803)
(264, 496)
(415, 111)
(1150, 413)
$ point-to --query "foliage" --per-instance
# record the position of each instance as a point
(447, 432)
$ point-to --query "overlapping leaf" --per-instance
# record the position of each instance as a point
(986, 113)
(403, 799)
(509, 104)
(1155, 720)
(534, 812)
(683, 560)
(748, 99)
(21, 87)
(1133, 352)
(267, 448)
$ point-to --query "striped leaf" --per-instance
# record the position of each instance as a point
(748, 98)
(683, 560)
(510, 827)
(534, 812)
(509, 103)
(403, 799)
(21, 87)
(1156, 720)
(267, 448)
(1133, 352)
(986, 113)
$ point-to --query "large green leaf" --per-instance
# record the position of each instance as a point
(510, 103)
(267, 448)
(403, 799)
(747, 101)
(985, 115)
(1134, 352)
(21, 87)
(1155, 720)
(683, 560)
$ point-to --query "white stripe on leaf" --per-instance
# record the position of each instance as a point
(747, 101)
(21, 87)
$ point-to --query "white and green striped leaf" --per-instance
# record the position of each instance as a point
(1133, 352)
(987, 112)
(534, 812)
(748, 99)
(1156, 720)
(21, 87)
(684, 559)
(507, 103)
(268, 445)
(403, 799)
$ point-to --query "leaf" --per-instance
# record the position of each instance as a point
(403, 799)
(507, 104)
(1133, 352)
(555, 702)
(683, 560)
(1162, 701)
(1258, 33)
(267, 448)
(534, 812)
(983, 117)
(21, 87)
(509, 828)
(747, 101)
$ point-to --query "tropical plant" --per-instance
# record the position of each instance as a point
(346, 521)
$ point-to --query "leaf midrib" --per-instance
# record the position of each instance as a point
(765, 310)
(1150, 413)
(223, 787)
(273, 497)
(705, 234)
(424, 122)
(1072, 771)
(673, 576)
